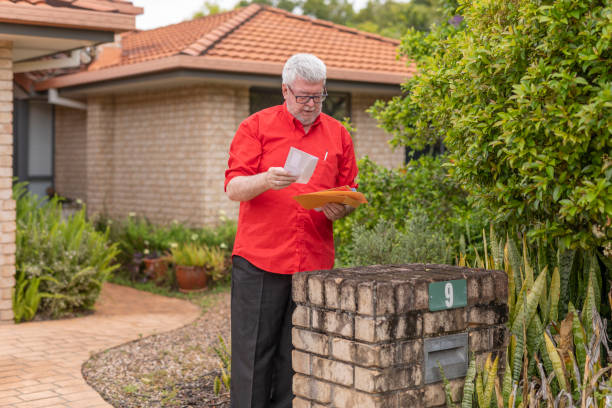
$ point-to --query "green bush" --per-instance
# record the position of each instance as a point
(66, 257)
(420, 187)
(521, 95)
(385, 244)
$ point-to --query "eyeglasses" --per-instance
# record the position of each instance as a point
(303, 99)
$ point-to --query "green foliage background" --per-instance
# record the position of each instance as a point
(389, 18)
(521, 94)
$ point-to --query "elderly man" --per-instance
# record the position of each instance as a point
(276, 236)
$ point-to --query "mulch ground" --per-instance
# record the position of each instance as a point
(174, 369)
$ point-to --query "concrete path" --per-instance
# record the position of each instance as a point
(40, 362)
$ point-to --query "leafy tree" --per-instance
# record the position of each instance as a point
(521, 94)
(209, 8)
(337, 11)
(288, 5)
(212, 7)
(389, 18)
(392, 18)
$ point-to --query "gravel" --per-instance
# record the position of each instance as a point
(173, 369)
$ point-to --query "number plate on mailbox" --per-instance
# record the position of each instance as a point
(447, 295)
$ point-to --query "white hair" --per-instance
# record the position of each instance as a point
(306, 66)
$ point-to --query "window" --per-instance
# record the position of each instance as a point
(33, 141)
(336, 105)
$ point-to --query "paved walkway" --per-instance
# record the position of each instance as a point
(40, 362)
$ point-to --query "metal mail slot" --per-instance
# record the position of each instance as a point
(452, 354)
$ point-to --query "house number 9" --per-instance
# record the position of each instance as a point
(448, 293)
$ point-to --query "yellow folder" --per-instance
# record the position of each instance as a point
(342, 195)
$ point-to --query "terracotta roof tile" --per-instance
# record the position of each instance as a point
(139, 46)
(226, 27)
(267, 34)
(112, 6)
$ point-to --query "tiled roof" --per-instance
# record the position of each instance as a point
(166, 41)
(110, 6)
(262, 34)
(274, 35)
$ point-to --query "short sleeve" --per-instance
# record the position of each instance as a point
(245, 151)
(347, 168)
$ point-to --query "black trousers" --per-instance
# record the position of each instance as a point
(261, 337)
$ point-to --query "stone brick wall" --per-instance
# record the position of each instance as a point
(359, 333)
(7, 206)
(369, 139)
(70, 152)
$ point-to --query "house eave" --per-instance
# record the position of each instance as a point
(67, 17)
(213, 65)
(33, 42)
(190, 77)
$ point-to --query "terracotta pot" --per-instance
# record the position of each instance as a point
(191, 278)
(155, 268)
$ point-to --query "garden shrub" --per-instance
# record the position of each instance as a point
(521, 95)
(385, 244)
(422, 187)
(554, 307)
(66, 257)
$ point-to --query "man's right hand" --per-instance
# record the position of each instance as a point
(278, 178)
(245, 188)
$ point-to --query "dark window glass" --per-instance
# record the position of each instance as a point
(33, 141)
(336, 105)
(262, 98)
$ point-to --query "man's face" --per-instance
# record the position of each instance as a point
(308, 112)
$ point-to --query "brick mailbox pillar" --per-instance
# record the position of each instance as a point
(373, 336)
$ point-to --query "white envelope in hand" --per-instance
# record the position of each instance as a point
(300, 164)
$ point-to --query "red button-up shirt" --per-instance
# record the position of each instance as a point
(274, 232)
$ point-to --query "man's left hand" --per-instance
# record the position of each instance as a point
(335, 211)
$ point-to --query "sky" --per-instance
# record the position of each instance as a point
(158, 13)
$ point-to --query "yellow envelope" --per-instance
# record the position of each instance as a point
(317, 199)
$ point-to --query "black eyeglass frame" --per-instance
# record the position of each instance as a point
(309, 97)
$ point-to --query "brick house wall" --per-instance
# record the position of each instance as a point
(162, 154)
(7, 207)
(98, 152)
(369, 139)
(70, 148)
(159, 154)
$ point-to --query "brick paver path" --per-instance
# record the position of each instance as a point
(40, 362)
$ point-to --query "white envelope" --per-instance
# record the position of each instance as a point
(300, 164)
